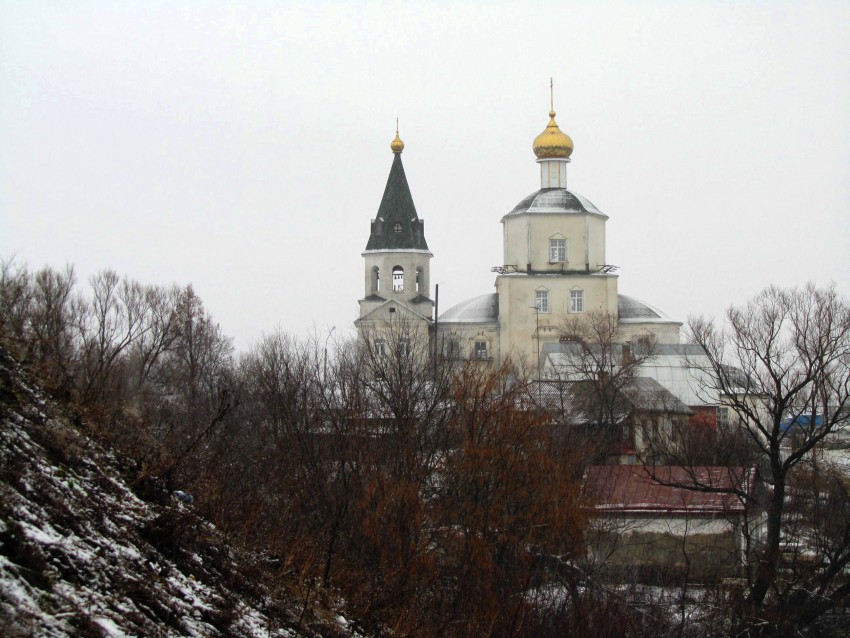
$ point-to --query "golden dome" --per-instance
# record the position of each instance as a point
(552, 142)
(397, 145)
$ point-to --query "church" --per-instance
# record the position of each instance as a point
(556, 276)
(555, 271)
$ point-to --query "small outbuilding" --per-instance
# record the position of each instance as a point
(664, 523)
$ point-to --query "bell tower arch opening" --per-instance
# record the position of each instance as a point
(375, 280)
(398, 279)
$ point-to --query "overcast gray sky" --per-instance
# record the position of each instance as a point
(244, 147)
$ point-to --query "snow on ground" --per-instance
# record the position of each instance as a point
(82, 555)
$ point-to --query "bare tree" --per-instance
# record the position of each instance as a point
(781, 365)
(15, 303)
(42, 312)
(592, 375)
(159, 334)
(507, 512)
(98, 343)
(108, 324)
(196, 390)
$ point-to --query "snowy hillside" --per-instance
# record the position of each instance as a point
(82, 555)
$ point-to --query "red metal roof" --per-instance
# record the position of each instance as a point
(664, 489)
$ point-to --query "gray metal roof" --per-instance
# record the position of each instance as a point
(555, 200)
(682, 368)
(397, 226)
(575, 399)
(681, 349)
(420, 299)
(485, 308)
(482, 309)
(631, 310)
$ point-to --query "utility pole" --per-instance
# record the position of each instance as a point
(436, 322)
(536, 308)
(325, 364)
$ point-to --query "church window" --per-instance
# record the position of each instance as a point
(480, 350)
(557, 250)
(419, 281)
(541, 300)
(453, 349)
(576, 300)
(380, 347)
(376, 279)
(722, 417)
(398, 278)
(404, 347)
(397, 227)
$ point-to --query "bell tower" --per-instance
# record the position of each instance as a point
(397, 259)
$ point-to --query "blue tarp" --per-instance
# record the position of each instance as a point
(802, 421)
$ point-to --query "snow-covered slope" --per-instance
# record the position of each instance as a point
(82, 555)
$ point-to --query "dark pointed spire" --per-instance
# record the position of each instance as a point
(397, 226)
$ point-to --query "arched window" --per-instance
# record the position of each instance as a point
(376, 279)
(398, 278)
(397, 227)
(420, 284)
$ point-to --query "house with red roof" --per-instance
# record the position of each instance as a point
(668, 522)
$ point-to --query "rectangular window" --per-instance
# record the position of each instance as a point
(722, 417)
(481, 350)
(453, 349)
(380, 347)
(541, 300)
(557, 250)
(576, 300)
(404, 347)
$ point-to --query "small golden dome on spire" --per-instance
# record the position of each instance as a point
(397, 145)
(552, 142)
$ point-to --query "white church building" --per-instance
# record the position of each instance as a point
(555, 270)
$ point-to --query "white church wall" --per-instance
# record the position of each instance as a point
(663, 332)
(468, 338)
(517, 301)
(527, 241)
